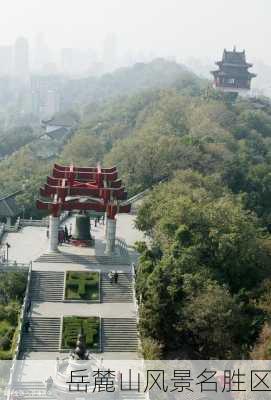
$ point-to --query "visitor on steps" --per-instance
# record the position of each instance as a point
(28, 307)
(49, 384)
(116, 277)
(27, 326)
(111, 276)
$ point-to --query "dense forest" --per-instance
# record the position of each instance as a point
(203, 280)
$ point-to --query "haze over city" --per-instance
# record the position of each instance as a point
(136, 30)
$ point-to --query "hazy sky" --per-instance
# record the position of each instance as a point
(182, 28)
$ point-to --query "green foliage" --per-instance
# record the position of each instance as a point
(12, 286)
(82, 286)
(194, 285)
(15, 138)
(12, 290)
(72, 326)
(151, 350)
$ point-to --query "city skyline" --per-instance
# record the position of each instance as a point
(178, 28)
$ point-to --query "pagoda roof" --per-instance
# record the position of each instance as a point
(234, 57)
(62, 120)
(9, 206)
(57, 133)
(235, 74)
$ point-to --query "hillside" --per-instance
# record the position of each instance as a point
(204, 276)
(159, 73)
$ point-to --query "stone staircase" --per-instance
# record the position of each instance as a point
(131, 395)
(47, 286)
(30, 391)
(36, 390)
(119, 334)
(67, 258)
(43, 335)
(121, 292)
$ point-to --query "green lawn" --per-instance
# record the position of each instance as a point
(82, 286)
(73, 325)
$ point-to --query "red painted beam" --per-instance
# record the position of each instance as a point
(105, 193)
(75, 205)
(84, 169)
(58, 182)
(85, 176)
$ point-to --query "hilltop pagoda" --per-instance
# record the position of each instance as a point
(233, 75)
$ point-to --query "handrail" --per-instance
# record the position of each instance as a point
(123, 247)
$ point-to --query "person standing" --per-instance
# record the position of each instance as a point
(66, 234)
(49, 385)
(116, 277)
(111, 276)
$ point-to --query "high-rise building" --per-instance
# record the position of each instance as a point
(110, 56)
(21, 60)
(42, 55)
(5, 60)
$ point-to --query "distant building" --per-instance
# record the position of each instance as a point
(51, 105)
(21, 60)
(5, 60)
(60, 127)
(45, 93)
(233, 75)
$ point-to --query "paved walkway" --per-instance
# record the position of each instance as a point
(106, 310)
(27, 244)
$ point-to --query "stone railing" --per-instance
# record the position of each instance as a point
(2, 230)
(34, 222)
(134, 291)
(44, 222)
(121, 243)
(13, 228)
(6, 228)
(12, 266)
(20, 330)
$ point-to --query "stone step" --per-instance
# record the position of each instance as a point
(35, 390)
(47, 286)
(120, 292)
(84, 260)
(43, 335)
(132, 395)
(119, 335)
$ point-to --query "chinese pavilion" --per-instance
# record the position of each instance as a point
(84, 190)
(233, 75)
